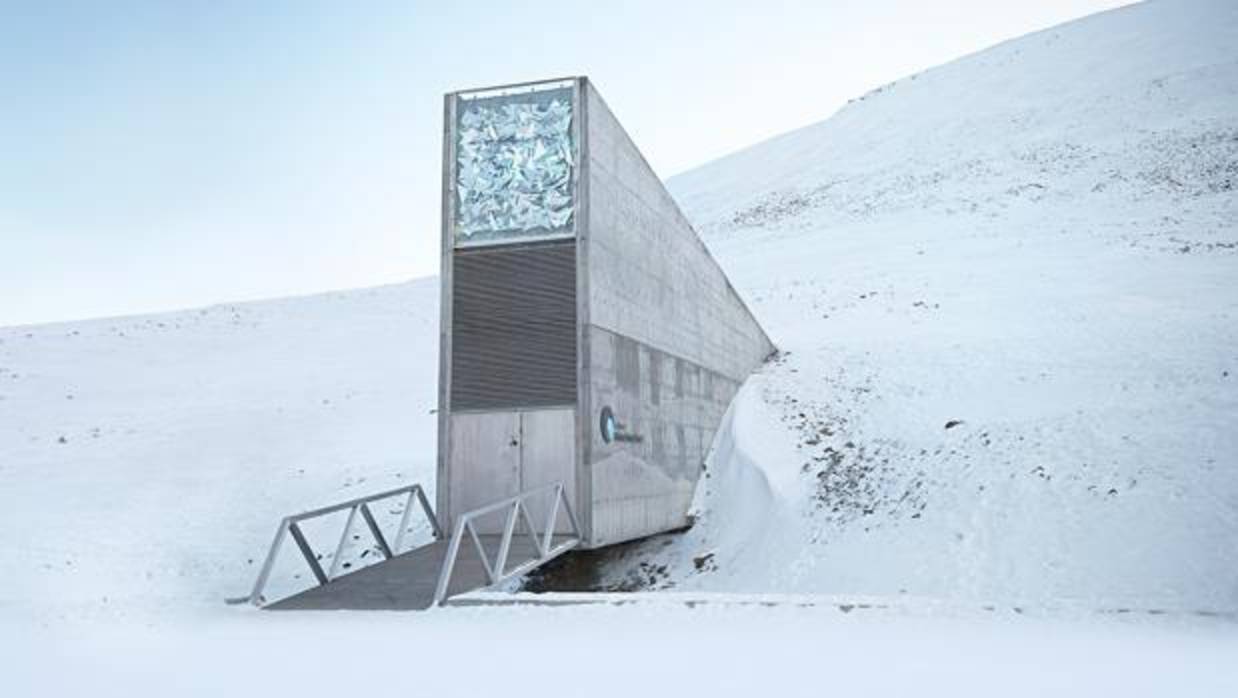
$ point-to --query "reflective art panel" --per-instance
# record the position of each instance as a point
(514, 159)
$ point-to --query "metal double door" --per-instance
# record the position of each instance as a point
(496, 455)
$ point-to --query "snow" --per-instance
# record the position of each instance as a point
(646, 649)
(145, 461)
(1034, 244)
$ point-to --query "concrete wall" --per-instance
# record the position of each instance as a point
(666, 341)
(662, 339)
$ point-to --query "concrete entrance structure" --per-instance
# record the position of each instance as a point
(587, 336)
(589, 349)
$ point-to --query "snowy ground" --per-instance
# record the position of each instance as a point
(1034, 245)
(145, 462)
(648, 649)
(1007, 293)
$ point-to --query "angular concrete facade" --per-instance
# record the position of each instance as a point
(660, 340)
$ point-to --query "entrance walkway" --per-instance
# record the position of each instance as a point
(407, 582)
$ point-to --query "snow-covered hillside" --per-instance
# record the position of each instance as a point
(1007, 293)
(145, 461)
(1120, 126)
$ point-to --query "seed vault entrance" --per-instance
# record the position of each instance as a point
(589, 348)
(588, 337)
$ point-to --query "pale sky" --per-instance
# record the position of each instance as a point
(163, 155)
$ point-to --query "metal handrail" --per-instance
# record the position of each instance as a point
(290, 525)
(496, 571)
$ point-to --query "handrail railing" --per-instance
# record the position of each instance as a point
(517, 509)
(290, 525)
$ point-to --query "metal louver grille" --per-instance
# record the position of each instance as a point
(514, 326)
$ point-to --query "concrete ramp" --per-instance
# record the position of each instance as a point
(407, 582)
(432, 573)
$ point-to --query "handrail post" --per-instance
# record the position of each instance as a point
(449, 562)
(505, 543)
(532, 532)
(571, 516)
(481, 550)
(339, 549)
(552, 518)
(375, 530)
(399, 536)
(425, 506)
(255, 596)
(307, 552)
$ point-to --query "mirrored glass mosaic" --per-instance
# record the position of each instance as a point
(514, 159)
